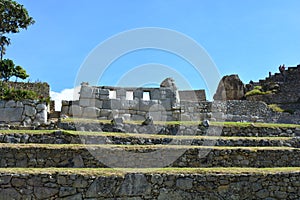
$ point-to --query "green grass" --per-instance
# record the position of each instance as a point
(145, 136)
(138, 147)
(178, 137)
(26, 131)
(275, 108)
(189, 123)
(123, 171)
(257, 92)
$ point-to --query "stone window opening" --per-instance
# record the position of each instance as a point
(112, 94)
(129, 95)
(146, 95)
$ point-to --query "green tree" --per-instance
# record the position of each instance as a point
(19, 72)
(8, 70)
(13, 18)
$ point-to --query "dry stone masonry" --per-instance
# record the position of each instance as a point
(160, 186)
(166, 103)
(27, 112)
(207, 160)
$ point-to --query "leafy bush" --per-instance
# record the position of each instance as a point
(257, 92)
(7, 93)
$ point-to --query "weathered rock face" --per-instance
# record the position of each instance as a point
(230, 88)
(170, 83)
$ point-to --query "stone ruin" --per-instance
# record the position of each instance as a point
(131, 103)
(167, 103)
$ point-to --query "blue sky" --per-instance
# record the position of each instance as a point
(245, 37)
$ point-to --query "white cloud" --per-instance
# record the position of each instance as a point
(66, 94)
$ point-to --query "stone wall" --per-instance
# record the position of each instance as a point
(192, 95)
(158, 186)
(129, 103)
(27, 112)
(247, 131)
(42, 89)
(231, 110)
(91, 156)
(287, 93)
(62, 137)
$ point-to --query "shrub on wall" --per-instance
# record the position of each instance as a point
(257, 91)
(8, 93)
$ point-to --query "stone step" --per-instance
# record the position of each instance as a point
(141, 156)
(63, 137)
(156, 184)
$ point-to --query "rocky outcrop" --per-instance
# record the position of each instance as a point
(230, 88)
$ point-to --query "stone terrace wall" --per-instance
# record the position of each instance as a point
(27, 112)
(91, 156)
(156, 186)
(61, 137)
(42, 89)
(250, 131)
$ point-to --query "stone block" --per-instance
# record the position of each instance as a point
(113, 114)
(105, 112)
(104, 92)
(86, 92)
(103, 97)
(84, 102)
(29, 111)
(185, 117)
(138, 94)
(19, 104)
(75, 111)
(2, 104)
(134, 104)
(155, 95)
(156, 116)
(156, 107)
(138, 117)
(41, 117)
(121, 93)
(91, 112)
(10, 104)
(96, 103)
(166, 104)
(111, 104)
(184, 183)
(147, 105)
(117, 120)
(135, 184)
(126, 117)
(40, 107)
(65, 110)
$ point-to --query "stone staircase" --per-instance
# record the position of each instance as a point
(234, 161)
